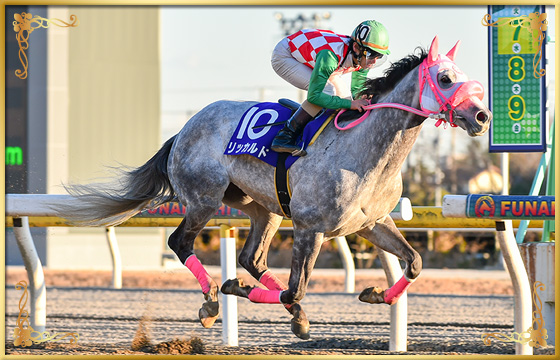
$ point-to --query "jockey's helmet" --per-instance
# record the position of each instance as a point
(372, 35)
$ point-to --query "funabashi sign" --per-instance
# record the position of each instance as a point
(176, 209)
(516, 84)
(511, 207)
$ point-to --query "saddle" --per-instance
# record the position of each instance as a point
(290, 104)
(256, 130)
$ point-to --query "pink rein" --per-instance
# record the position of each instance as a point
(460, 94)
(368, 109)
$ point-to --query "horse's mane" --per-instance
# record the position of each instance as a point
(394, 74)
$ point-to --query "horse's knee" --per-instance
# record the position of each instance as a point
(251, 263)
(290, 296)
(173, 241)
(414, 267)
(246, 260)
(176, 243)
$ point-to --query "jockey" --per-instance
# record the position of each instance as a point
(314, 60)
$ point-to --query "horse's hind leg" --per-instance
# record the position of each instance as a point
(200, 182)
(254, 255)
(386, 236)
(181, 242)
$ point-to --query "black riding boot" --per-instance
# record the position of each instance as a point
(285, 140)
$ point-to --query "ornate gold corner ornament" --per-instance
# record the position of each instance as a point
(25, 335)
(535, 336)
(24, 25)
(536, 23)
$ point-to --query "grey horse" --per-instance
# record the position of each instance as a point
(348, 183)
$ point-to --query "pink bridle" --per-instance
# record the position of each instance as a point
(448, 99)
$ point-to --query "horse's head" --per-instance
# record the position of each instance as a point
(444, 88)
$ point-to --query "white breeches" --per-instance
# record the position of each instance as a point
(298, 74)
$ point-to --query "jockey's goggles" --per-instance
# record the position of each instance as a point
(370, 54)
(379, 60)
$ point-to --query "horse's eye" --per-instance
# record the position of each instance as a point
(446, 79)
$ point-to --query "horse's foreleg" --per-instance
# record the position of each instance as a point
(181, 242)
(254, 255)
(386, 236)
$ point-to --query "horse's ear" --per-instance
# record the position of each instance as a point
(451, 54)
(433, 53)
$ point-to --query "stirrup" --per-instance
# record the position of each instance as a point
(299, 152)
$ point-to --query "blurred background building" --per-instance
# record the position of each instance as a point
(91, 99)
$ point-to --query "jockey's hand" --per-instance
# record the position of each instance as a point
(359, 104)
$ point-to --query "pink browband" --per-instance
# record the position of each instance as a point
(462, 93)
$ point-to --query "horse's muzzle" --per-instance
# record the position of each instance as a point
(483, 116)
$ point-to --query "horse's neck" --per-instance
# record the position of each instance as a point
(389, 133)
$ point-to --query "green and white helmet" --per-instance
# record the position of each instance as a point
(372, 35)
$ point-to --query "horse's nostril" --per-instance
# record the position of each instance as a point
(482, 116)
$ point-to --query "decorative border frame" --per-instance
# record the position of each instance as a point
(534, 336)
(25, 335)
(24, 25)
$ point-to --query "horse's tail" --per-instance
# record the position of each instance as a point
(112, 203)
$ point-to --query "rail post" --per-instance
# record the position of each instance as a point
(348, 262)
(37, 289)
(523, 307)
(229, 271)
(116, 281)
(399, 311)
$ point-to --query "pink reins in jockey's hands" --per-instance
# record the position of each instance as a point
(368, 108)
(448, 99)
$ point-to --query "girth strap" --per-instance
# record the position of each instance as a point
(281, 184)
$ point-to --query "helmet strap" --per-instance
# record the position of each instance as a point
(357, 56)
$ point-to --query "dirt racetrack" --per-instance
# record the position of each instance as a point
(448, 311)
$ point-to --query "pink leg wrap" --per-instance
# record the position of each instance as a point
(269, 280)
(394, 292)
(258, 295)
(199, 273)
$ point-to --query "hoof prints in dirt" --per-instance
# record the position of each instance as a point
(176, 347)
(142, 342)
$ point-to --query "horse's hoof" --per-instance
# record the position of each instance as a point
(208, 313)
(230, 286)
(206, 319)
(300, 328)
(374, 295)
(236, 287)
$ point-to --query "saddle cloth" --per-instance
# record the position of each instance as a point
(251, 138)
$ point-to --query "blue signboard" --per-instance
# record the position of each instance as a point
(510, 207)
